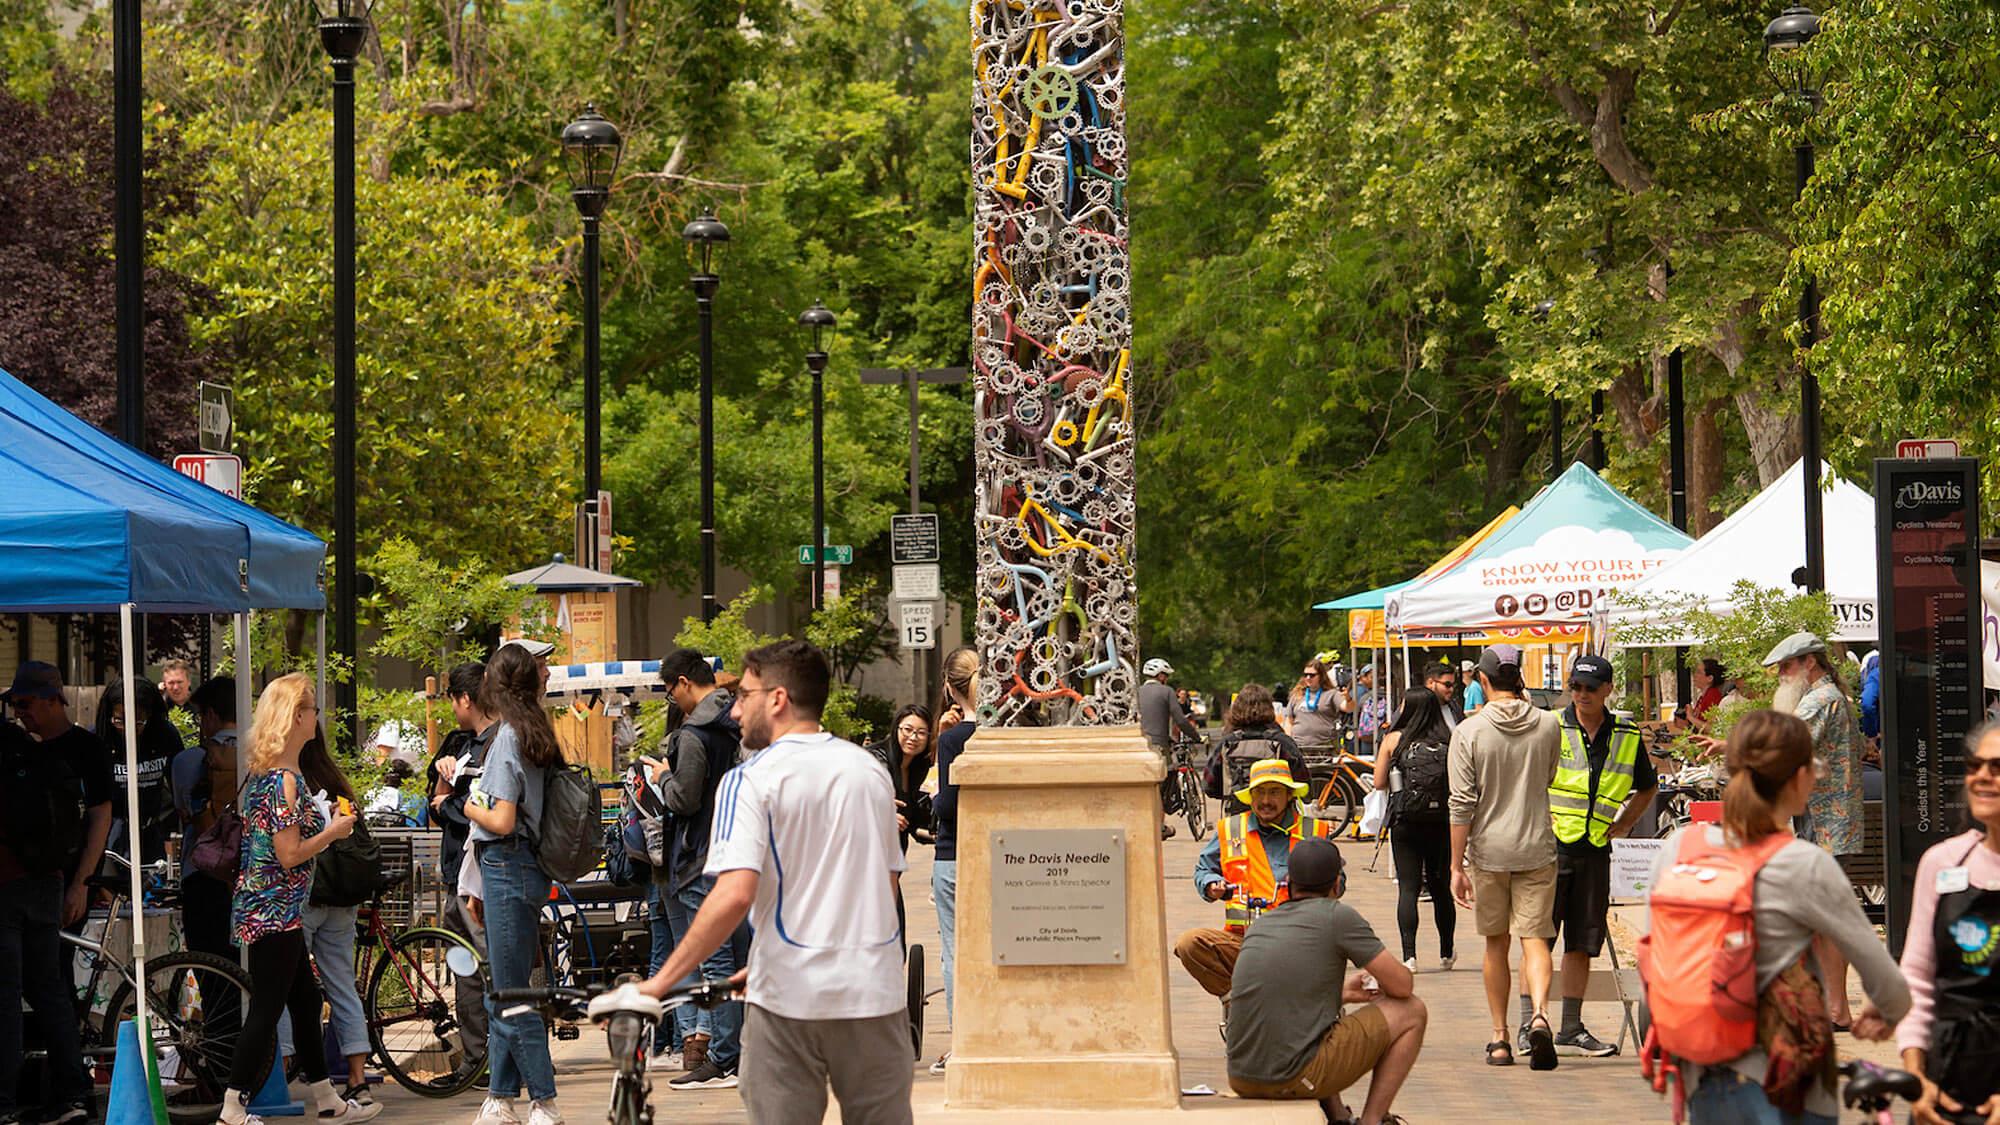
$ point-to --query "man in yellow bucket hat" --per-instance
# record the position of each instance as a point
(1246, 863)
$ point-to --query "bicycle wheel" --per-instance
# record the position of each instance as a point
(1340, 801)
(195, 1004)
(915, 999)
(413, 1018)
(1193, 805)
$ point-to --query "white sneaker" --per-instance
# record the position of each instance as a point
(1410, 963)
(1445, 964)
(667, 1062)
(938, 1066)
(497, 1111)
(544, 1112)
(351, 1112)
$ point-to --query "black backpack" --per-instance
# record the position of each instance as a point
(1426, 788)
(1242, 750)
(350, 871)
(569, 840)
(43, 799)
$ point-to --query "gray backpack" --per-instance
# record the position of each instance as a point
(570, 840)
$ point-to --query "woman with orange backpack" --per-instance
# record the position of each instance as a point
(1741, 904)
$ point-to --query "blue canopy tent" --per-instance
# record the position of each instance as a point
(94, 526)
(1366, 599)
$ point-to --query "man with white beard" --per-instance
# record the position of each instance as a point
(1809, 687)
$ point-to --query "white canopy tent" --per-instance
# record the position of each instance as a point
(1762, 542)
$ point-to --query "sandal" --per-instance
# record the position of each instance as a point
(1541, 1045)
(1499, 1053)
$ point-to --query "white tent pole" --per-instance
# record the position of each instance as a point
(138, 903)
(242, 697)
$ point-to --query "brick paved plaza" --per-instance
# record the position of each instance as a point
(1450, 1083)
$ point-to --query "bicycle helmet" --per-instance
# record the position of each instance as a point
(1157, 667)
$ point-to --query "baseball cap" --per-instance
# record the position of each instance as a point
(1498, 657)
(37, 679)
(1798, 644)
(535, 648)
(1592, 670)
(1314, 865)
(1466, 665)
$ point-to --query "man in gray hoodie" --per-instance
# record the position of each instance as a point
(1503, 759)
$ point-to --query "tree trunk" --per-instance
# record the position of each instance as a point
(1774, 439)
(1705, 468)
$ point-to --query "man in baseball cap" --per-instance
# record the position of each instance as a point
(1503, 851)
(1287, 1037)
(1604, 783)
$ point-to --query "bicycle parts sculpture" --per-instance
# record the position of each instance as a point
(1051, 352)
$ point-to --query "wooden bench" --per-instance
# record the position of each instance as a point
(1868, 869)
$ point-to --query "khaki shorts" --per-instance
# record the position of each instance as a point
(1351, 1049)
(1520, 903)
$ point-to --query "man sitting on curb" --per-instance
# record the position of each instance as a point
(1248, 859)
(1287, 1037)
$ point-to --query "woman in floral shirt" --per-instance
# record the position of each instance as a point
(283, 829)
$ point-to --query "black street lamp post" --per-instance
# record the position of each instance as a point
(705, 238)
(592, 145)
(819, 323)
(129, 234)
(1785, 41)
(343, 29)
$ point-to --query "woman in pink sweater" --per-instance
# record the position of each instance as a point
(1952, 1035)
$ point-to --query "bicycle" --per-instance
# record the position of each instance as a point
(629, 1018)
(194, 1002)
(1186, 771)
(1340, 798)
(1872, 1089)
(410, 1002)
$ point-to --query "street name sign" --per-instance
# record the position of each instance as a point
(834, 556)
(1058, 896)
(215, 417)
(913, 539)
(221, 471)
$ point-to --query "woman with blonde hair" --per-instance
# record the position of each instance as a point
(283, 829)
(957, 704)
(1801, 899)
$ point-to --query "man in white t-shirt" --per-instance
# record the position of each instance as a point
(804, 843)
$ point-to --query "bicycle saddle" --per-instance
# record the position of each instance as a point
(1879, 1085)
(623, 999)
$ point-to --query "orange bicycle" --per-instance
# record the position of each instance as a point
(1339, 800)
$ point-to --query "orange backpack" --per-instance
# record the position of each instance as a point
(1699, 959)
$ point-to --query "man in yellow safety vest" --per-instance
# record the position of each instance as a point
(1246, 863)
(1604, 783)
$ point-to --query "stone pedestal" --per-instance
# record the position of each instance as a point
(1061, 1037)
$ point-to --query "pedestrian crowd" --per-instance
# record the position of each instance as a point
(771, 853)
(1501, 807)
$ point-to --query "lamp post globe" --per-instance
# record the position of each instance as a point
(343, 28)
(706, 236)
(593, 146)
(819, 323)
(1785, 40)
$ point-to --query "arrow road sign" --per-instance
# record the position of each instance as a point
(215, 423)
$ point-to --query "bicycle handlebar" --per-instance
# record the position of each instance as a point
(702, 994)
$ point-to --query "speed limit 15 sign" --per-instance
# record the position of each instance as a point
(918, 621)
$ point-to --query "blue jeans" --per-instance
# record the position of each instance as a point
(944, 888)
(517, 1047)
(330, 938)
(725, 1023)
(1725, 1097)
(33, 965)
(681, 1022)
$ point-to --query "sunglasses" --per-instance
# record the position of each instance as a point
(1976, 766)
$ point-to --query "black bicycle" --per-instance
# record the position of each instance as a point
(628, 1017)
(1185, 766)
